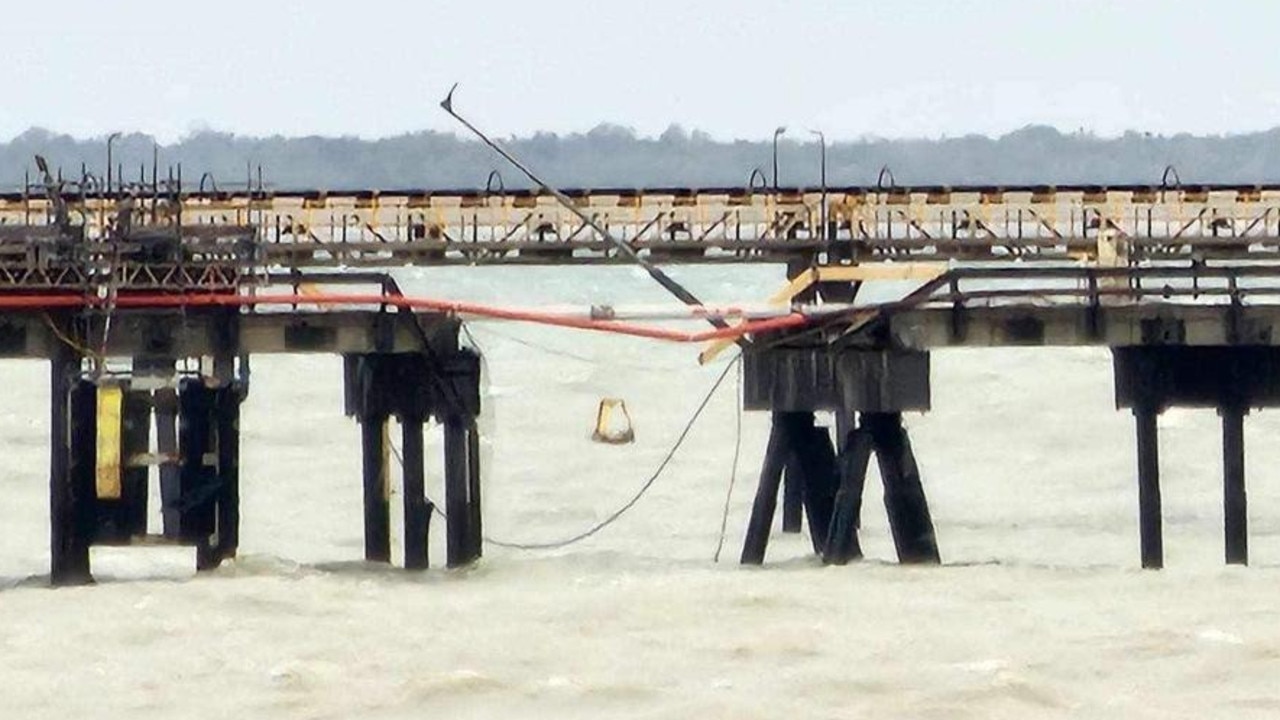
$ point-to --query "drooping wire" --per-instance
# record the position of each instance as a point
(113, 288)
(572, 355)
(662, 466)
(475, 344)
(624, 249)
(81, 348)
(536, 346)
(733, 467)
(625, 507)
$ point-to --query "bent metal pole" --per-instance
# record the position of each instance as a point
(654, 271)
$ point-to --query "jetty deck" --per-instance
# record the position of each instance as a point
(150, 300)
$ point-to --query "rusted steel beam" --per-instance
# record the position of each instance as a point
(1235, 504)
(904, 497)
(70, 472)
(817, 461)
(374, 449)
(417, 511)
(766, 500)
(475, 521)
(842, 543)
(460, 545)
(1150, 522)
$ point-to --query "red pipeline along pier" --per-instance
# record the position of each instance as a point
(149, 298)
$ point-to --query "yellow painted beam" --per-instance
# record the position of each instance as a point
(797, 285)
(868, 272)
(713, 350)
(881, 271)
(107, 467)
(794, 287)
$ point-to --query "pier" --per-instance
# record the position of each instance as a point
(150, 301)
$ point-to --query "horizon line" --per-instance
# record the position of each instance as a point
(630, 133)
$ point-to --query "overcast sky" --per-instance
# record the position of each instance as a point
(733, 69)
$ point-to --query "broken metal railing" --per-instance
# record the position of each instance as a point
(1036, 287)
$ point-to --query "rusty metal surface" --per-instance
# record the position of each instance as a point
(1018, 265)
(804, 379)
(672, 225)
(1011, 304)
(195, 333)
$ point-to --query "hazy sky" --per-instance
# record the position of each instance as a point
(734, 69)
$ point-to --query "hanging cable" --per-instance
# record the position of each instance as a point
(466, 331)
(538, 346)
(65, 339)
(100, 364)
(510, 337)
(623, 247)
(616, 514)
(662, 466)
(733, 467)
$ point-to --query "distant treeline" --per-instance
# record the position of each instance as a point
(614, 156)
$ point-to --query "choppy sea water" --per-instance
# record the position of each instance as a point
(1039, 609)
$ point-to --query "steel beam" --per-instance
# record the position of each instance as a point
(842, 540)
(377, 508)
(71, 470)
(1149, 515)
(1235, 511)
(417, 511)
(475, 521)
(460, 544)
(766, 500)
(904, 498)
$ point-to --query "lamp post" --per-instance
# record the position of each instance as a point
(776, 134)
(110, 139)
(822, 146)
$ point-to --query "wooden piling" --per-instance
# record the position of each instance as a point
(1234, 499)
(816, 458)
(766, 502)
(83, 464)
(904, 498)
(377, 505)
(165, 402)
(64, 560)
(456, 486)
(135, 439)
(416, 509)
(842, 540)
(227, 410)
(197, 479)
(792, 495)
(71, 466)
(792, 474)
(1149, 520)
(846, 423)
(475, 522)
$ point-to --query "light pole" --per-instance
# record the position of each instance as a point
(822, 145)
(110, 139)
(776, 134)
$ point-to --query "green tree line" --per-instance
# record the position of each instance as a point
(615, 156)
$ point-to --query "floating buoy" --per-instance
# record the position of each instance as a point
(604, 432)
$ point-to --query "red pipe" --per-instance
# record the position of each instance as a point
(57, 302)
